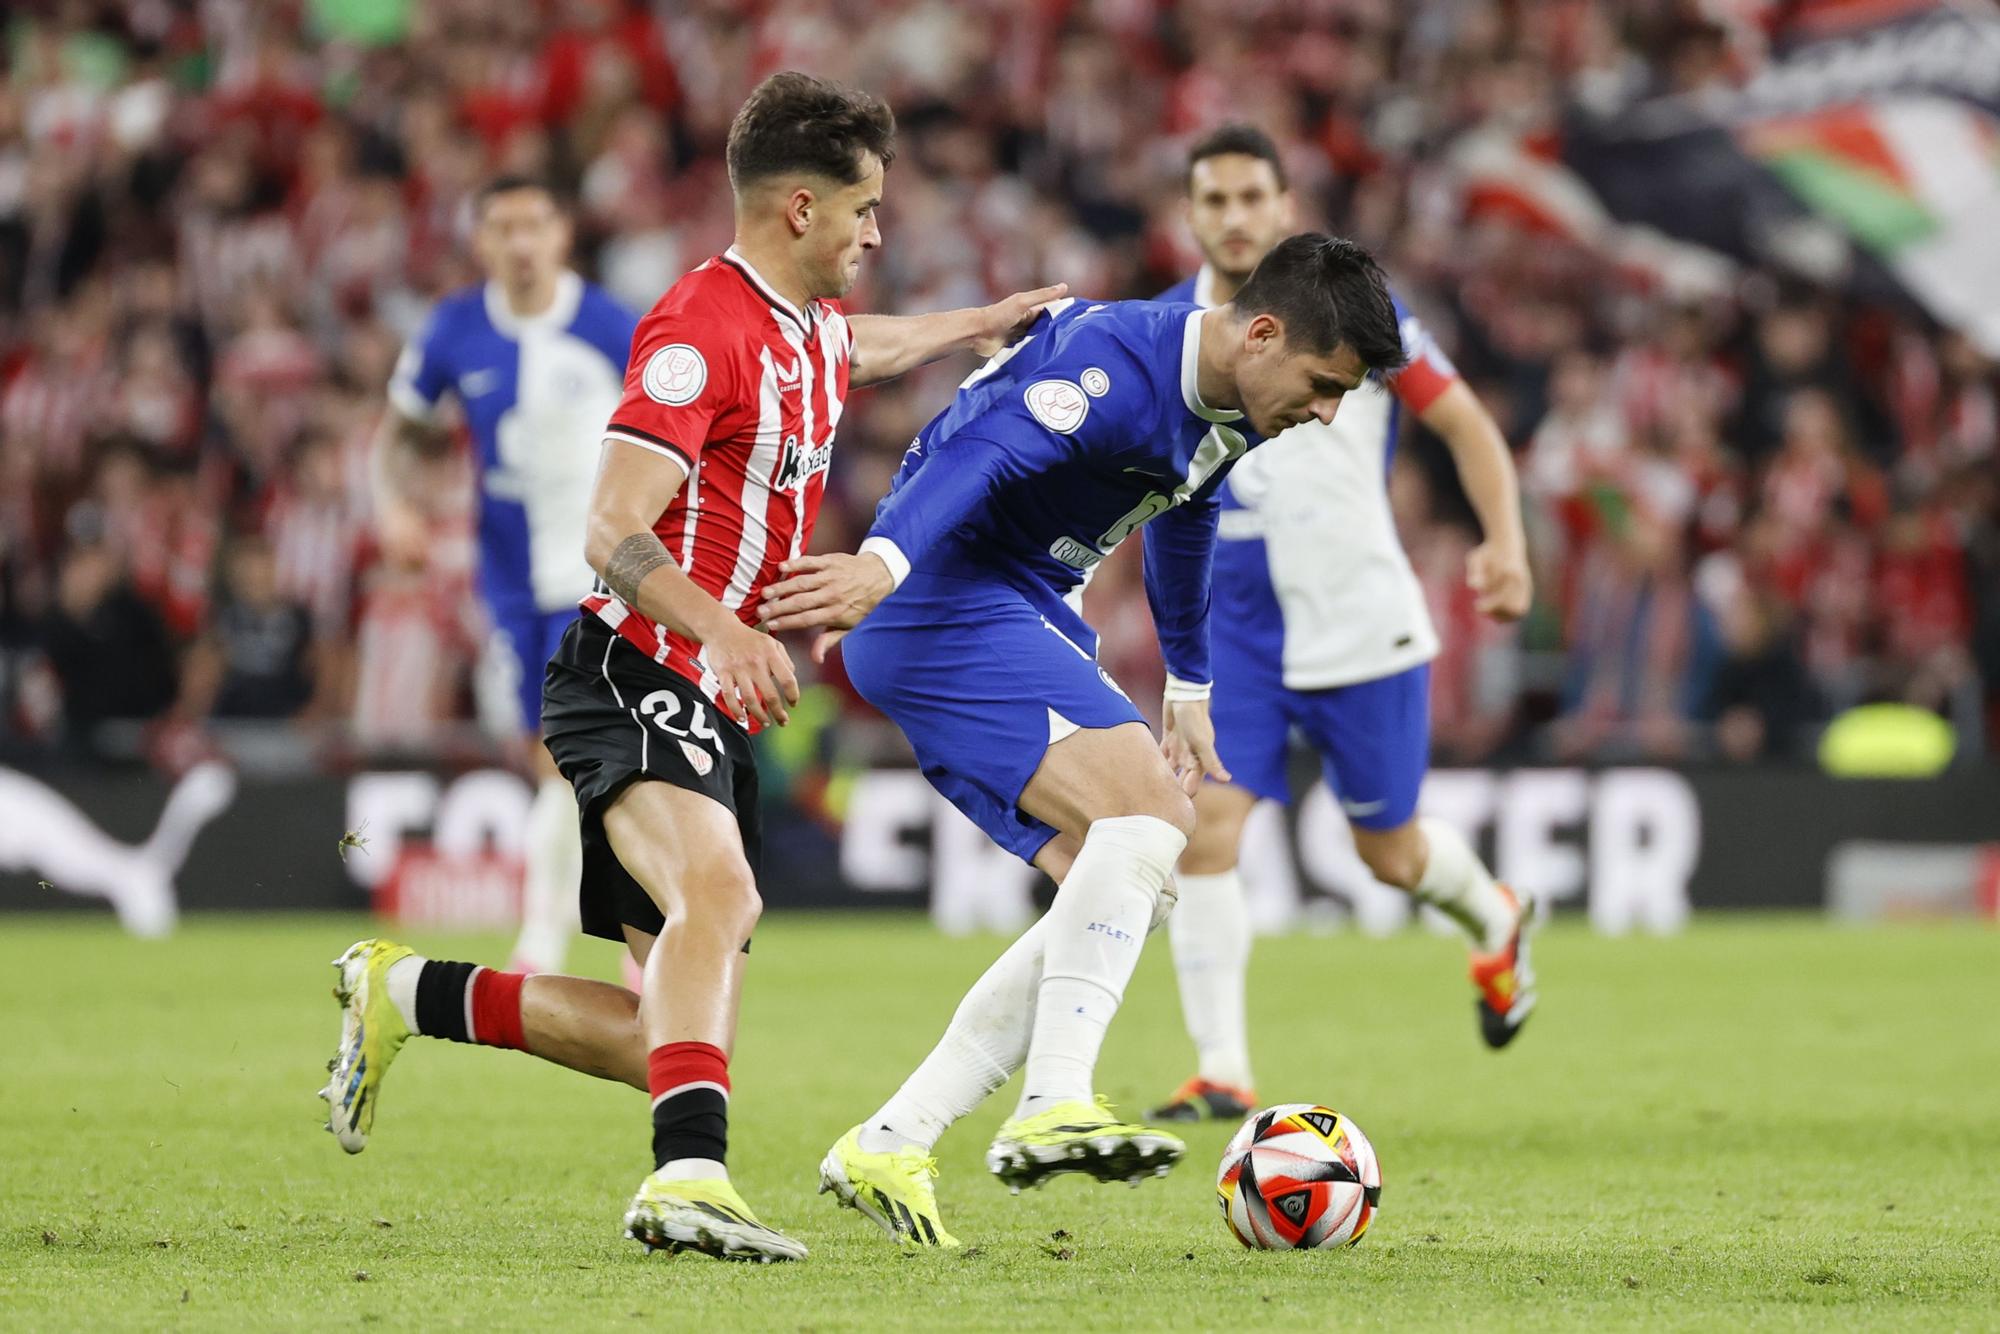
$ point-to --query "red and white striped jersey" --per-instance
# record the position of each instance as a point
(743, 389)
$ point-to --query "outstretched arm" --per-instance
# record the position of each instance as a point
(1497, 569)
(885, 346)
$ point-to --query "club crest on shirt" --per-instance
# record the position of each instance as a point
(675, 375)
(1060, 405)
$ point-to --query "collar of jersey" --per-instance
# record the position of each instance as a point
(1204, 288)
(1191, 372)
(560, 311)
(734, 258)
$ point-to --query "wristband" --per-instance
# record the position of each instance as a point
(890, 555)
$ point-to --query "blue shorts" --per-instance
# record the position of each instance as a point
(1373, 737)
(980, 680)
(523, 642)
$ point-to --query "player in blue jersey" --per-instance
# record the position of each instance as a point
(1330, 639)
(536, 358)
(1104, 420)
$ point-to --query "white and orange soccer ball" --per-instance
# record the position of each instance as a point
(1299, 1177)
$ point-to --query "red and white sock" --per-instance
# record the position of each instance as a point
(689, 1082)
(460, 1002)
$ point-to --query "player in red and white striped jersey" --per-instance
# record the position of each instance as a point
(739, 390)
(712, 471)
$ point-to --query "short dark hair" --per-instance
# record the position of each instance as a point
(1247, 140)
(1327, 291)
(507, 185)
(793, 122)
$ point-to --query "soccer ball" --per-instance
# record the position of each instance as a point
(1299, 1177)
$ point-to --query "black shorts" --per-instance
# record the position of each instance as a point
(612, 716)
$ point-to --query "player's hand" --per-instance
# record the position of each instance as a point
(403, 535)
(826, 592)
(824, 644)
(1189, 744)
(1008, 319)
(754, 673)
(1499, 579)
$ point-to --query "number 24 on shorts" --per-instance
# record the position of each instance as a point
(663, 706)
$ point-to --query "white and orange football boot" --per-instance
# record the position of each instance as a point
(1505, 979)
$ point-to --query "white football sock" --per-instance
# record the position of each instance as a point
(1095, 932)
(554, 851)
(983, 1046)
(1210, 934)
(692, 1169)
(401, 984)
(1458, 884)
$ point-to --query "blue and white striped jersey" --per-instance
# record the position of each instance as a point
(536, 393)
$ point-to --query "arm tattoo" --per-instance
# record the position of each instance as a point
(633, 559)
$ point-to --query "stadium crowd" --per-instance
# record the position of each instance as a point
(1752, 503)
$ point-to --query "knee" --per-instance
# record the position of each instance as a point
(1396, 859)
(1172, 807)
(1154, 793)
(739, 901)
(725, 894)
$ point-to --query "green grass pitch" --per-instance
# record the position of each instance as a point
(1765, 1122)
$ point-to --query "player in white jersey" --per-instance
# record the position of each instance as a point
(536, 358)
(1318, 625)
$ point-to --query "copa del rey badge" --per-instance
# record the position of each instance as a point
(1060, 405)
(674, 375)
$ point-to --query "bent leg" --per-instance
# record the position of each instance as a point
(577, 1022)
(1395, 856)
(1432, 862)
(1111, 788)
(686, 852)
(586, 1025)
(685, 849)
(949, 672)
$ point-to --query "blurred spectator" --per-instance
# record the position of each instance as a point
(258, 658)
(1793, 350)
(1926, 629)
(219, 222)
(107, 648)
(1760, 700)
(419, 627)
(1476, 677)
(314, 536)
(1630, 645)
